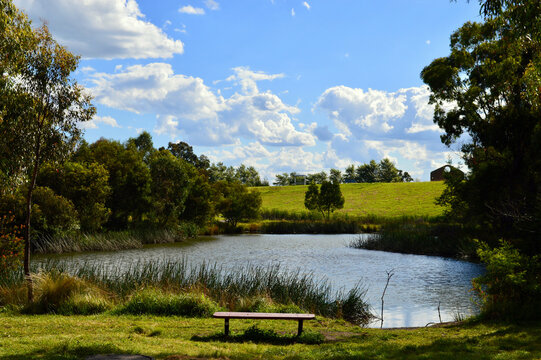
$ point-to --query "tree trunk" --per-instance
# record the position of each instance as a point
(27, 224)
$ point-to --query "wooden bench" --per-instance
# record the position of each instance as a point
(261, 316)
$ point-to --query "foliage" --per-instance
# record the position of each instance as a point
(54, 215)
(11, 244)
(511, 285)
(169, 187)
(129, 180)
(325, 200)
(185, 152)
(16, 39)
(85, 184)
(235, 202)
(488, 89)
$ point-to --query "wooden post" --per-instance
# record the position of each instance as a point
(300, 328)
(226, 327)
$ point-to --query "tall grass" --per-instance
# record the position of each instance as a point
(229, 288)
(422, 238)
(110, 241)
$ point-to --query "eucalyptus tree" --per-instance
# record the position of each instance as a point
(489, 88)
(41, 114)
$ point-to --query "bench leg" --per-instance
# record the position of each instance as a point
(300, 328)
(226, 327)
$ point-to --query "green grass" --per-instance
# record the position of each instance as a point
(388, 200)
(50, 337)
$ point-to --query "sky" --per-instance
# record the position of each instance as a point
(281, 85)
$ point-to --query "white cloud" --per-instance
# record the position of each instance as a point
(374, 124)
(96, 120)
(102, 28)
(359, 111)
(212, 5)
(189, 9)
(306, 5)
(248, 79)
(292, 12)
(185, 106)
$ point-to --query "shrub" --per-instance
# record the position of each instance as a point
(511, 286)
(156, 302)
(60, 293)
(11, 245)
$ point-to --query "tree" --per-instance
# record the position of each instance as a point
(387, 172)
(248, 176)
(85, 184)
(367, 173)
(41, 125)
(236, 203)
(349, 176)
(129, 180)
(169, 188)
(336, 176)
(185, 152)
(220, 172)
(143, 143)
(489, 87)
(325, 200)
(281, 179)
(16, 41)
(318, 178)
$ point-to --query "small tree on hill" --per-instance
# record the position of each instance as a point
(325, 200)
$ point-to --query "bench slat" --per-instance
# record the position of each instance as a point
(262, 316)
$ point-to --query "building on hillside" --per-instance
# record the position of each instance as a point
(439, 174)
(300, 180)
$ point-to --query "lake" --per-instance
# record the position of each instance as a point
(420, 282)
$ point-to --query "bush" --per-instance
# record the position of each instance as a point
(156, 302)
(60, 293)
(511, 287)
(11, 245)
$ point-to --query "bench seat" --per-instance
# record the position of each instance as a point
(262, 316)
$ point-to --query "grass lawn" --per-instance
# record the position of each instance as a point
(74, 337)
(380, 199)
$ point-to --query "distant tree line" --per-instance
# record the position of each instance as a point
(384, 171)
(109, 185)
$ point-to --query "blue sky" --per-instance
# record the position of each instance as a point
(282, 85)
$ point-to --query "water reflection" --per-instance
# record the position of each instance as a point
(420, 283)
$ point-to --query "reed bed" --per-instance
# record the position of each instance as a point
(109, 241)
(227, 287)
(421, 238)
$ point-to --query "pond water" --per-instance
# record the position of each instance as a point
(420, 282)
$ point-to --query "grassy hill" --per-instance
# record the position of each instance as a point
(380, 199)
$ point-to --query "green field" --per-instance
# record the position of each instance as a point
(380, 199)
(172, 338)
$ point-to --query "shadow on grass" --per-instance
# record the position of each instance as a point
(67, 351)
(261, 336)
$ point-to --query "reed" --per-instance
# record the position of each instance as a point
(109, 241)
(424, 238)
(284, 290)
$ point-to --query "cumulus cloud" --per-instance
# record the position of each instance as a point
(362, 111)
(185, 106)
(96, 120)
(306, 5)
(189, 9)
(248, 79)
(102, 28)
(373, 124)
